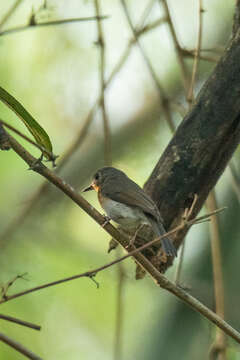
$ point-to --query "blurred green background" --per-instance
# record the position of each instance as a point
(54, 73)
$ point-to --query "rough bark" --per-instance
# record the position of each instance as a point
(202, 145)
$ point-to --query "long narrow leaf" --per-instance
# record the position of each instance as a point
(33, 126)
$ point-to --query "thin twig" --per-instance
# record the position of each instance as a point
(180, 263)
(4, 140)
(162, 96)
(73, 147)
(25, 137)
(10, 12)
(235, 180)
(108, 162)
(20, 322)
(191, 54)
(121, 280)
(180, 58)
(124, 241)
(190, 96)
(50, 23)
(106, 127)
(219, 345)
(146, 12)
(19, 347)
(33, 126)
(187, 216)
(218, 50)
(151, 26)
(4, 288)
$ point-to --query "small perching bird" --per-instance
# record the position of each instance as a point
(127, 204)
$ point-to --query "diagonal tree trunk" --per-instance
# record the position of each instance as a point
(202, 145)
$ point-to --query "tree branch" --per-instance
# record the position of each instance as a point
(20, 322)
(10, 12)
(162, 96)
(38, 146)
(180, 58)
(19, 347)
(202, 145)
(4, 140)
(219, 346)
(121, 239)
(64, 159)
(190, 96)
(106, 127)
(160, 279)
(49, 23)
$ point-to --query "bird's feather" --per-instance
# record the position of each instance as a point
(128, 192)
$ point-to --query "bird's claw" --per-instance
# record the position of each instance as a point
(131, 242)
(107, 220)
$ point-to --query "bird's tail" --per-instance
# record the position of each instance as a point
(167, 244)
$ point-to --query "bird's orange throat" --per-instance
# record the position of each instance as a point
(95, 187)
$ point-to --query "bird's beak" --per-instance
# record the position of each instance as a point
(88, 188)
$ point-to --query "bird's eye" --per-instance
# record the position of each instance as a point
(96, 176)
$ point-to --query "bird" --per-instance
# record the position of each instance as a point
(126, 203)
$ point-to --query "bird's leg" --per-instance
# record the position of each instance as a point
(107, 220)
(132, 240)
(189, 211)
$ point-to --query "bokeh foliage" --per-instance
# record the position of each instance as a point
(53, 72)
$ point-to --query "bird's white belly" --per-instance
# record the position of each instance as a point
(124, 215)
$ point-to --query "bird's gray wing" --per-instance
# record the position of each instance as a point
(135, 196)
(128, 192)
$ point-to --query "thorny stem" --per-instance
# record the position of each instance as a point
(49, 23)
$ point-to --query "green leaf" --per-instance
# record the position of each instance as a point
(35, 129)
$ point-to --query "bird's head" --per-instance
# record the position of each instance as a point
(102, 175)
